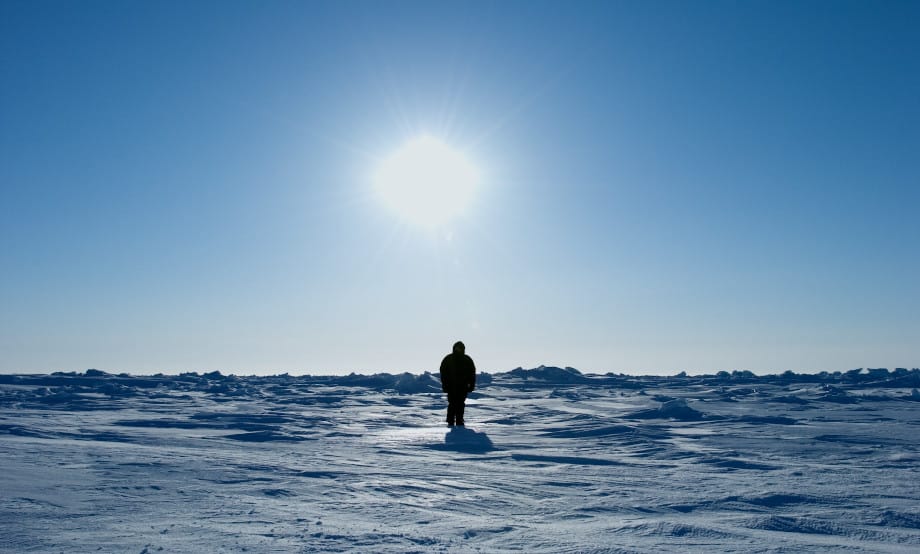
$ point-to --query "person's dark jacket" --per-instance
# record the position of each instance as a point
(458, 373)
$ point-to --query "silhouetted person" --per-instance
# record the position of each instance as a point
(458, 378)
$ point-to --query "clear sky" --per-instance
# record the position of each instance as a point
(663, 186)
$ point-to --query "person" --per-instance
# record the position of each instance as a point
(458, 378)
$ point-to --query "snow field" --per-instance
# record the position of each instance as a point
(551, 461)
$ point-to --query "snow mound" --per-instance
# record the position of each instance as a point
(403, 383)
(789, 399)
(556, 460)
(837, 395)
(768, 420)
(776, 500)
(892, 518)
(682, 530)
(790, 524)
(264, 436)
(548, 374)
(734, 463)
(416, 384)
(672, 409)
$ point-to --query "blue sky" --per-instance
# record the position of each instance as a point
(666, 186)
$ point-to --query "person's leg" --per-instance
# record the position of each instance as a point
(461, 407)
(451, 408)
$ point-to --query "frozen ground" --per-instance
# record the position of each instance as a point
(552, 461)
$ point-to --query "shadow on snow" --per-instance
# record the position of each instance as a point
(461, 439)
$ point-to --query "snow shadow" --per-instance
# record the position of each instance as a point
(461, 439)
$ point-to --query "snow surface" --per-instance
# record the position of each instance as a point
(552, 461)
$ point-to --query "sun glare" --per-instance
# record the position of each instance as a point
(426, 182)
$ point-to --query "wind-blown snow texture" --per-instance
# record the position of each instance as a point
(552, 461)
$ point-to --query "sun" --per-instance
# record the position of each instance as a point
(426, 182)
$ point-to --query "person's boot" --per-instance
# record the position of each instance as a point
(460, 423)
